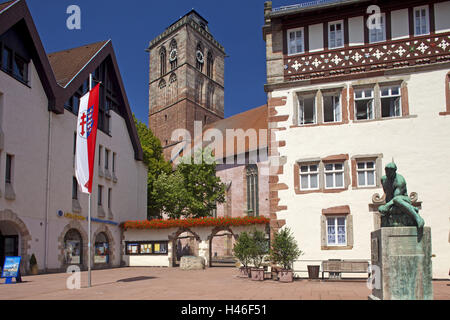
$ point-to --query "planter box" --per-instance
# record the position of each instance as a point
(244, 272)
(34, 270)
(257, 274)
(286, 276)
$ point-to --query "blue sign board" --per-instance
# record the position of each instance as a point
(11, 269)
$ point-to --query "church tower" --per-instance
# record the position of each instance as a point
(186, 79)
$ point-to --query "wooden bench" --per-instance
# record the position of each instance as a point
(345, 266)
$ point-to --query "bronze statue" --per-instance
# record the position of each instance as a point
(398, 210)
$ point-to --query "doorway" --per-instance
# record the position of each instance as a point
(9, 247)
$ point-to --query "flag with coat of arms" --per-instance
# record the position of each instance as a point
(86, 139)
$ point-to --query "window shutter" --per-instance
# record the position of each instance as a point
(350, 230)
(323, 230)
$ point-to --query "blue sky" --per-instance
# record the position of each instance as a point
(131, 24)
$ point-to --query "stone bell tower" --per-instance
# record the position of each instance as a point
(186, 79)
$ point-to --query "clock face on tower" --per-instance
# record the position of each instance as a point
(200, 56)
(173, 55)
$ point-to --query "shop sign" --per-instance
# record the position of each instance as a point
(72, 216)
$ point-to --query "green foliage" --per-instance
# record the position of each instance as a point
(192, 191)
(242, 249)
(33, 260)
(259, 247)
(170, 194)
(154, 159)
(284, 249)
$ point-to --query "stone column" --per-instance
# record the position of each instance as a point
(170, 253)
(203, 251)
(401, 264)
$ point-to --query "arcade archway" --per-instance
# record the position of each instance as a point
(221, 243)
(14, 238)
(184, 242)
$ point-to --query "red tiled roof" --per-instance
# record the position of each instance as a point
(67, 63)
(252, 119)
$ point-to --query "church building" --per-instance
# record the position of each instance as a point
(186, 79)
(186, 86)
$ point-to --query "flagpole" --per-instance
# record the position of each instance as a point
(89, 216)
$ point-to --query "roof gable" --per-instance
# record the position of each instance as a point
(66, 64)
(69, 68)
(72, 70)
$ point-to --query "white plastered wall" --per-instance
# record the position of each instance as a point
(419, 145)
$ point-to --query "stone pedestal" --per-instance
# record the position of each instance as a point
(192, 263)
(401, 264)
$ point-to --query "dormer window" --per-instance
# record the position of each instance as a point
(335, 34)
(295, 39)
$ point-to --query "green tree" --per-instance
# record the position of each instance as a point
(154, 159)
(193, 190)
(205, 189)
(170, 194)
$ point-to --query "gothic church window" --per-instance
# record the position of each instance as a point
(209, 65)
(173, 88)
(198, 90)
(162, 54)
(162, 93)
(252, 190)
(200, 58)
(173, 55)
(210, 96)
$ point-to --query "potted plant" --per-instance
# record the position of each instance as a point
(258, 250)
(241, 251)
(34, 270)
(284, 252)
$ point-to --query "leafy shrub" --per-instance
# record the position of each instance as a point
(284, 249)
(259, 248)
(33, 260)
(242, 249)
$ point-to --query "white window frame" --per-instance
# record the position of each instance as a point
(333, 172)
(309, 174)
(288, 32)
(377, 32)
(336, 234)
(427, 20)
(301, 110)
(364, 97)
(390, 95)
(336, 115)
(365, 170)
(341, 22)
